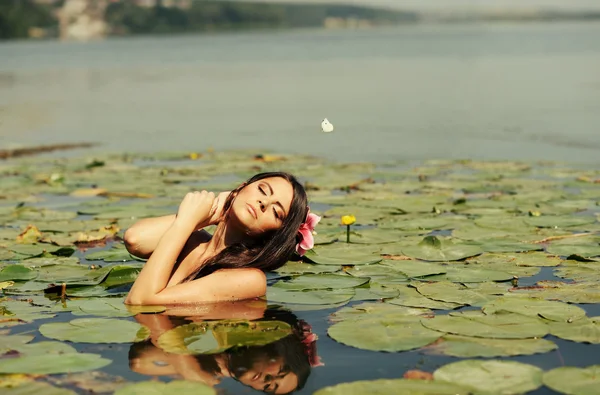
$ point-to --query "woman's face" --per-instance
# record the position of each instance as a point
(263, 205)
(270, 375)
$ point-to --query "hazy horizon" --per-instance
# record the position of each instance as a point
(461, 5)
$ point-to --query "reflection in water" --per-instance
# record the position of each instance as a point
(280, 367)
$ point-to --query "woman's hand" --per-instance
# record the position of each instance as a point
(217, 210)
(196, 209)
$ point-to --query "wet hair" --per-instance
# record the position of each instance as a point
(271, 249)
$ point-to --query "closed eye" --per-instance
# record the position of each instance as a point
(276, 213)
(262, 190)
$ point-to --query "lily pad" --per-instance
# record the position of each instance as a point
(585, 330)
(321, 281)
(95, 330)
(173, 387)
(471, 347)
(342, 259)
(550, 310)
(317, 296)
(215, 337)
(585, 251)
(410, 297)
(494, 326)
(17, 273)
(393, 386)
(303, 268)
(36, 387)
(453, 293)
(431, 248)
(491, 376)
(53, 363)
(559, 221)
(574, 381)
(392, 335)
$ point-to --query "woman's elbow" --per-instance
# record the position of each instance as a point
(131, 238)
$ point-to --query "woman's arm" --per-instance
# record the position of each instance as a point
(142, 238)
(154, 277)
(222, 285)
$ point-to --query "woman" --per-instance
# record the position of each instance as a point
(259, 226)
(280, 367)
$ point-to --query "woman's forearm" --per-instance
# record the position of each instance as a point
(155, 274)
(142, 238)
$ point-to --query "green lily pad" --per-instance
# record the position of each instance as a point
(215, 337)
(392, 334)
(342, 259)
(103, 307)
(173, 387)
(574, 381)
(559, 221)
(383, 311)
(321, 281)
(53, 363)
(550, 310)
(432, 248)
(17, 273)
(393, 386)
(95, 330)
(414, 269)
(304, 268)
(374, 292)
(410, 297)
(316, 296)
(471, 274)
(491, 376)
(585, 251)
(585, 330)
(582, 292)
(453, 293)
(115, 254)
(43, 348)
(36, 387)
(472, 347)
(494, 326)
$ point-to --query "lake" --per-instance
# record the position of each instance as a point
(501, 91)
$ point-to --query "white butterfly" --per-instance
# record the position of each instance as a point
(326, 126)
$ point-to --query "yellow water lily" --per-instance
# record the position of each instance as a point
(348, 220)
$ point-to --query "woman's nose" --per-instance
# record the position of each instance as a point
(262, 205)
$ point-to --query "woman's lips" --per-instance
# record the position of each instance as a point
(256, 376)
(252, 210)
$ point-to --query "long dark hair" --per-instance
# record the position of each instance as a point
(269, 250)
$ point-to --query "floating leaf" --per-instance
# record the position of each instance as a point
(95, 330)
(585, 330)
(321, 281)
(17, 273)
(303, 268)
(432, 248)
(554, 311)
(471, 347)
(173, 387)
(453, 293)
(214, 337)
(394, 386)
(342, 259)
(492, 376)
(53, 363)
(495, 326)
(410, 297)
(35, 387)
(574, 381)
(393, 334)
(317, 296)
(559, 221)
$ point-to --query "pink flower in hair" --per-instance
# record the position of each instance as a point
(306, 230)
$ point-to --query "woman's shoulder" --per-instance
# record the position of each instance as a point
(249, 280)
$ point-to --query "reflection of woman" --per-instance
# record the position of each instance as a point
(279, 367)
(259, 226)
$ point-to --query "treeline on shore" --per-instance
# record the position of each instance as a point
(18, 17)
